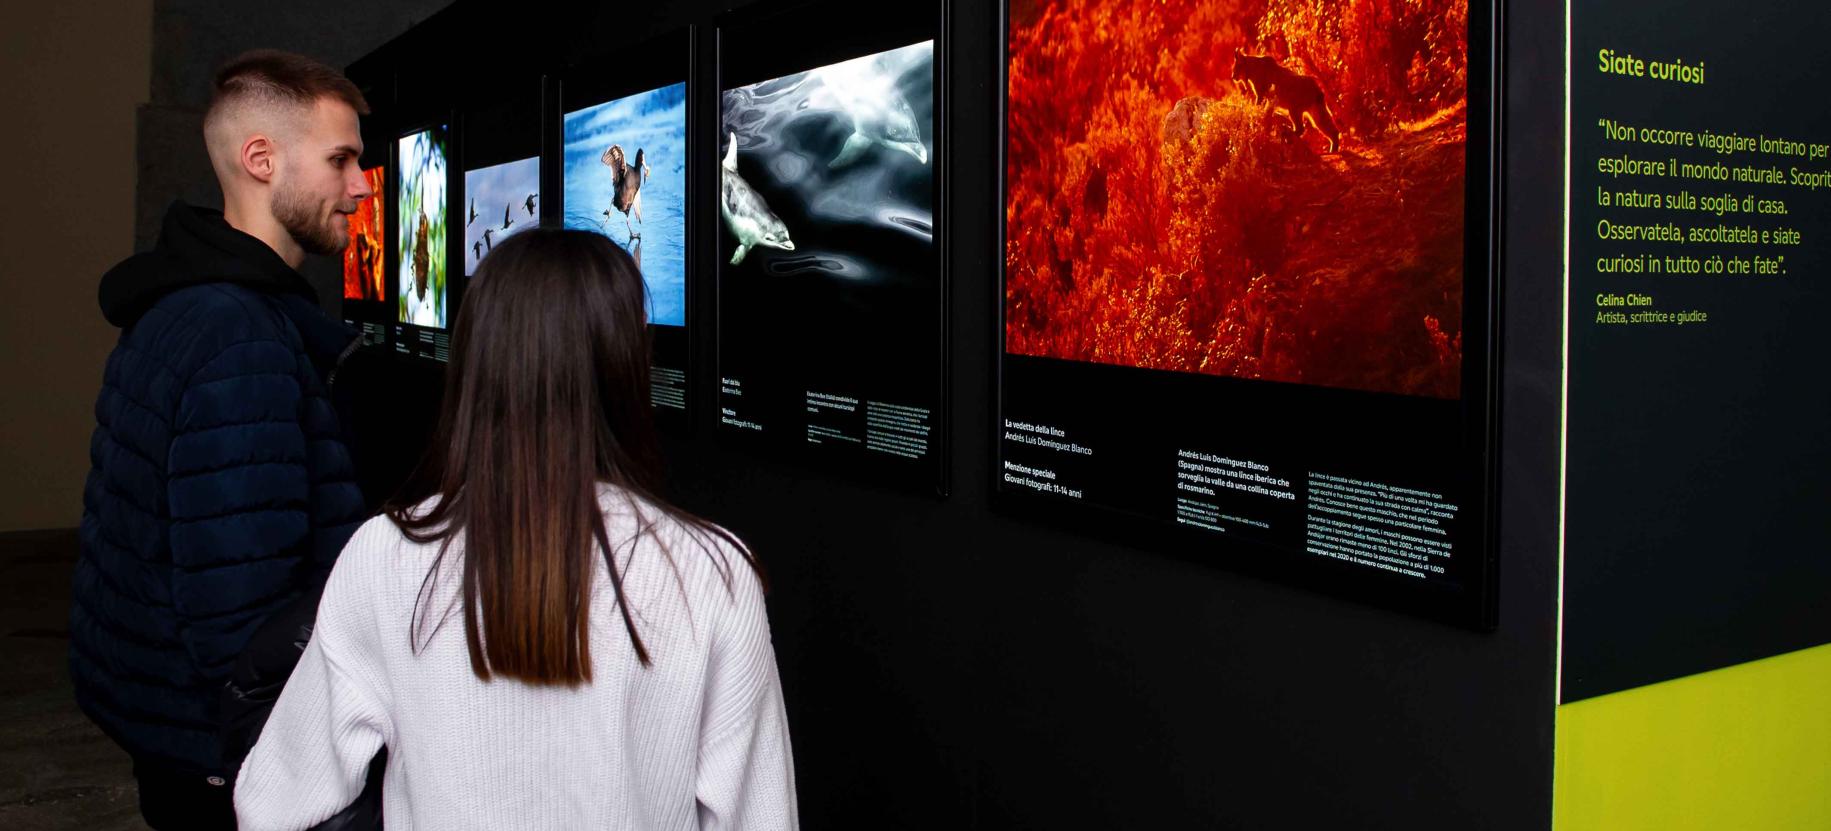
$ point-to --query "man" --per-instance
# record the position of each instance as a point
(220, 486)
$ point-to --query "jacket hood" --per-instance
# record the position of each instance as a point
(196, 246)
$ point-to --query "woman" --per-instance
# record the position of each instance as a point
(538, 639)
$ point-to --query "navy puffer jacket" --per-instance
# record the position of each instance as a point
(220, 486)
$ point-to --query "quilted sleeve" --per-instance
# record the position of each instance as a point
(239, 498)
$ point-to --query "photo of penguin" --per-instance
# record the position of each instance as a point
(512, 188)
(625, 174)
(420, 216)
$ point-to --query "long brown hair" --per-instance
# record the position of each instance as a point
(547, 396)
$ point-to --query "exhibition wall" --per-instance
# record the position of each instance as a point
(950, 660)
(1627, 630)
(1631, 468)
(1693, 669)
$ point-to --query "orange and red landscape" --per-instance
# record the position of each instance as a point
(362, 260)
(1162, 214)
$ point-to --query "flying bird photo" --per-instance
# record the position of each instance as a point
(510, 184)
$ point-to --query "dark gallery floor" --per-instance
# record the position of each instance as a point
(57, 771)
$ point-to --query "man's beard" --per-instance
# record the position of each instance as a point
(296, 213)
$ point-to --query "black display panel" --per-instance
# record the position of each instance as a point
(364, 282)
(501, 191)
(624, 145)
(1697, 466)
(831, 327)
(363, 257)
(367, 298)
(1246, 306)
(421, 249)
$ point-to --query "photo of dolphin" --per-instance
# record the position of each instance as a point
(625, 177)
(865, 90)
(745, 212)
(840, 155)
(506, 187)
(828, 270)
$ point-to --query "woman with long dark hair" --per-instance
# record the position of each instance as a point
(538, 639)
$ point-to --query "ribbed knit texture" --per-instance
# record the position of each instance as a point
(697, 740)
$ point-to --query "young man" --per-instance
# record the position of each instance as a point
(220, 485)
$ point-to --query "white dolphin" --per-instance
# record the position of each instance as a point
(866, 91)
(745, 212)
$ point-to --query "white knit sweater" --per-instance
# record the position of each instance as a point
(697, 740)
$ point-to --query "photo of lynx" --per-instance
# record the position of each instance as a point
(1298, 95)
(1179, 213)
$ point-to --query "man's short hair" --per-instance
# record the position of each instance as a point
(265, 78)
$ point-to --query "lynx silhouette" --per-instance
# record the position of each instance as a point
(1298, 95)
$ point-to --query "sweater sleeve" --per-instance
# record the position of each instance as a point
(313, 755)
(746, 775)
(238, 496)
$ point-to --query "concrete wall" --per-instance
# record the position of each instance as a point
(74, 73)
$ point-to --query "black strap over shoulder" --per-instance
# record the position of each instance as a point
(260, 674)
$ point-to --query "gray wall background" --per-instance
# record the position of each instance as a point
(69, 150)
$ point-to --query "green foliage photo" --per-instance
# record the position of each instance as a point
(422, 188)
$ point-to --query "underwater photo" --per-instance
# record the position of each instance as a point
(826, 174)
(625, 174)
(831, 325)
